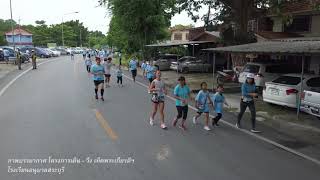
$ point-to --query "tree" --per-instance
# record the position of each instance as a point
(5, 26)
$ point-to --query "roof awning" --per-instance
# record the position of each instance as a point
(168, 44)
(290, 47)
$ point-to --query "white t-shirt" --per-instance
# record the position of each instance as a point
(107, 67)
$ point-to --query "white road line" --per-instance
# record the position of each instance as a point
(316, 161)
(6, 87)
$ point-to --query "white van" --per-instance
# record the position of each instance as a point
(266, 72)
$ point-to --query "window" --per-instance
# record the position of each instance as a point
(299, 24)
(177, 36)
(187, 36)
(314, 82)
(288, 80)
(283, 68)
(251, 68)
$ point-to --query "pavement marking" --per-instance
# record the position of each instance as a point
(316, 161)
(6, 87)
(105, 125)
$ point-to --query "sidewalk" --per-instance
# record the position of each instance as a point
(278, 123)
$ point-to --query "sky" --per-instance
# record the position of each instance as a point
(52, 11)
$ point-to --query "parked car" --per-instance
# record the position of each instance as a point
(164, 61)
(62, 51)
(190, 64)
(311, 102)
(265, 72)
(55, 52)
(284, 90)
(40, 52)
(13, 54)
(1, 55)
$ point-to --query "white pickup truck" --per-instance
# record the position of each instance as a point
(311, 103)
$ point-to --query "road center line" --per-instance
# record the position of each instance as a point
(316, 161)
(105, 125)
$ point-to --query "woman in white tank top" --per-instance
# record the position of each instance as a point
(157, 87)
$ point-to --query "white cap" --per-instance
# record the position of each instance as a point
(250, 75)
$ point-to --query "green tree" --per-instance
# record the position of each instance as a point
(5, 26)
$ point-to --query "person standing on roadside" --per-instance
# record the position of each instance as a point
(159, 92)
(218, 100)
(34, 59)
(119, 76)
(182, 95)
(249, 92)
(202, 105)
(97, 70)
(133, 68)
(107, 69)
(19, 59)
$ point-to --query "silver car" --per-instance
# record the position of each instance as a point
(191, 64)
(164, 62)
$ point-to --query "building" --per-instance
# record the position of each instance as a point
(19, 36)
(178, 35)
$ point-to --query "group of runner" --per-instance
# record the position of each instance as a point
(182, 94)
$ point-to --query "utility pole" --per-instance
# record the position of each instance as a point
(13, 43)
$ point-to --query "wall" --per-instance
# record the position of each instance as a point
(315, 64)
(315, 27)
(18, 39)
(277, 25)
(184, 35)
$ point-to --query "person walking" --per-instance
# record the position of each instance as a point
(159, 91)
(19, 59)
(98, 78)
(119, 76)
(34, 59)
(72, 55)
(182, 95)
(249, 92)
(107, 69)
(133, 68)
(143, 68)
(88, 63)
(202, 105)
(218, 100)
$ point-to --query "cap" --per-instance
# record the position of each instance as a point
(250, 75)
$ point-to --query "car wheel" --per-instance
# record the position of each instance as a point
(185, 70)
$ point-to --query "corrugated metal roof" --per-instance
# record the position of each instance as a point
(298, 47)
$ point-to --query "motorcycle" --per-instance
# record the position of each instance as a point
(226, 76)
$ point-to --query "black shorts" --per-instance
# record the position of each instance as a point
(150, 80)
(107, 75)
(134, 73)
(97, 83)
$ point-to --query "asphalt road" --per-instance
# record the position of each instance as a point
(51, 112)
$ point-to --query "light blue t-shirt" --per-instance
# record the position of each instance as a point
(143, 66)
(119, 73)
(98, 69)
(218, 100)
(150, 71)
(133, 65)
(182, 92)
(246, 89)
(202, 98)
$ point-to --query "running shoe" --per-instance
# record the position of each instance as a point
(102, 98)
(194, 120)
(206, 128)
(183, 127)
(255, 131)
(238, 126)
(97, 97)
(163, 126)
(151, 122)
(174, 123)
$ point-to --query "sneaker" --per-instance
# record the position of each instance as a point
(151, 122)
(206, 128)
(255, 131)
(183, 127)
(163, 126)
(102, 98)
(194, 120)
(174, 123)
(97, 97)
(238, 126)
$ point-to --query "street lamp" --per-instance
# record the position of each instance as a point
(62, 37)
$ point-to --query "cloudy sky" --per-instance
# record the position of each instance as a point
(52, 11)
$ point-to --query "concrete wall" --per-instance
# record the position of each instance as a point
(277, 25)
(184, 35)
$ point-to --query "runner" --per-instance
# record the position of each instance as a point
(249, 92)
(143, 68)
(98, 71)
(84, 55)
(119, 77)
(159, 91)
(72, 55)
(182, 94)
(202, 105)
(218, 101)
(107, 69)
(133, 68)
(88, 62)
(150, 72)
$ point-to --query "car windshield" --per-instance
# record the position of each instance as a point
(288, 80)
(251, 68)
